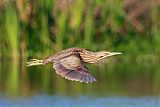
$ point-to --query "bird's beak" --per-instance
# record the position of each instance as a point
(107, 54)
(113, 53)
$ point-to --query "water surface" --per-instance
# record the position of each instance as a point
(118, 85)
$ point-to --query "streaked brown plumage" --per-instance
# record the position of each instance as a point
(70, 63)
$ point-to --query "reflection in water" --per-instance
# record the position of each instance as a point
(126, 80)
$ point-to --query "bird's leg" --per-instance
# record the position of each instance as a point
(34, 62)
(46, 61)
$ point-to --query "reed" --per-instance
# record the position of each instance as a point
(12, 31)
(12, 40)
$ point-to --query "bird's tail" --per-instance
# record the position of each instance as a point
(34, 62)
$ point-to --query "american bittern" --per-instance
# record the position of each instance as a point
(69, 63)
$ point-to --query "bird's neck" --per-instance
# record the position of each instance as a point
(88, 56)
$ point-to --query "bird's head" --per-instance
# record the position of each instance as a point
(103, 54)
(94, 57)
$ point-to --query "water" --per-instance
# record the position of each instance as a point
(118, 85)
(81, 101)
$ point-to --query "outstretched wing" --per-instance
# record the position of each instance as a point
(73, 69)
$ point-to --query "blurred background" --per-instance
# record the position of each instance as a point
(40, 28)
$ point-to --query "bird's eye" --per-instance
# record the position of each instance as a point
(101, 57)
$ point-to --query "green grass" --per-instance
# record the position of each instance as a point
(51, 27)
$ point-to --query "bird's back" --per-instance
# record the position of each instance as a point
(64, 53)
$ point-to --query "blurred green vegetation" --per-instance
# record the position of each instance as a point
(41, 28)
(37, 29)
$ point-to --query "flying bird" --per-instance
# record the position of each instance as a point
(70, 63)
